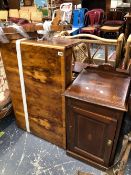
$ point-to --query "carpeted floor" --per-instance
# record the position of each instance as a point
(22, 153)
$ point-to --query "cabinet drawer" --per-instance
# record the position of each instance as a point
(90, 135)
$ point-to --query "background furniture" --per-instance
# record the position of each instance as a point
(4, 5)
(127, 65)
(113, 25)
(28, 13)
(93, 20)
(24, 14)
(127, 57)
(29, 8)
(3, 15)
(128, 25)
(36, 16)
(79, 17)
(89, 55)
(124, 7)
(14, 4)
(28, 2)
(47, 67)
(14, 13)
(89, 4)
(5, 99)
(95, 106)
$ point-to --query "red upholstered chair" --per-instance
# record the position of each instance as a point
(93, 19)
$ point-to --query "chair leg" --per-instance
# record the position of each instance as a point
(106, 54)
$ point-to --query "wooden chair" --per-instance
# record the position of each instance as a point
(90, 56)
(93, 19)
(25, 14)
(14, 13)
(3, 15)
(5, 100)
(113, 25)
(29, 8)
(127, 58)
(36, 16)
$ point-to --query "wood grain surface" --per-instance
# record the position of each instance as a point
(47, 72)
(95, 106)
(101, 87)
(8, 52)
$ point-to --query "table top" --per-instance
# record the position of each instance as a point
(58, 43)
(101, 88)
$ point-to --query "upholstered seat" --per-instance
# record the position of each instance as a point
(110, 28)
(25, 14)
(114, 22)
(89, 29)
(14, 13)
(36, 16)
(113, 26)
(3, 15)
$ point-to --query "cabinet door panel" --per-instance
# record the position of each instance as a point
(91, 135)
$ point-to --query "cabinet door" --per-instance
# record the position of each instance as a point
(90, 135)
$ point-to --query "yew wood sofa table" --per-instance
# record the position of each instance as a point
(95, 105)
(47, 69)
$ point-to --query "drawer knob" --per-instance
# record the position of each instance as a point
(109, 142)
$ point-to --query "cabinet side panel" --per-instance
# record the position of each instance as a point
(8, 52)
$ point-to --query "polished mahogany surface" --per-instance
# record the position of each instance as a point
(95, 106)
(102, 88)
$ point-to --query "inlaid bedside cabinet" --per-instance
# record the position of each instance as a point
(95, 106)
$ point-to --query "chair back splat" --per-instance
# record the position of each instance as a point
(93, 19)
(127, 58)
(90, 56)
(3, 15)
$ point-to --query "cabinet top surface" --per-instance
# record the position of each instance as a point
(59, 43)
(101, 88)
